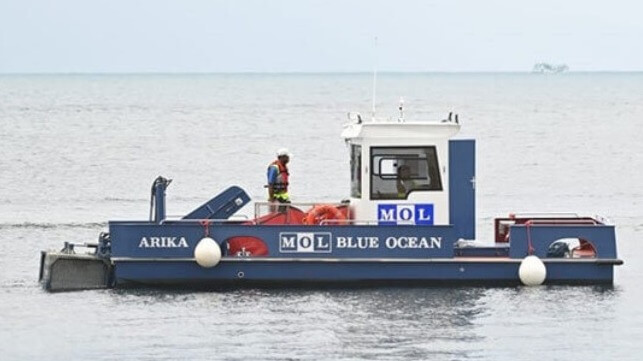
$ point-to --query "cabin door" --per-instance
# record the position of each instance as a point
(462, 187)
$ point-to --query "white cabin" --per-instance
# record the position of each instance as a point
(400, 171)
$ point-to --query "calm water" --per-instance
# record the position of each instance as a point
(76, 151)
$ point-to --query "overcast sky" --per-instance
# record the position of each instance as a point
(299, 35)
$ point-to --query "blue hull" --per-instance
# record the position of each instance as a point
(317, 272)
(397, 255)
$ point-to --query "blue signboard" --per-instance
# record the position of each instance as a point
(408, 214)
(305, 242)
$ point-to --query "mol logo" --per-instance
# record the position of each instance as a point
(305, 242)
(394, 214)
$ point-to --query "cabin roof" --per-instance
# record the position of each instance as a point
(400, 130)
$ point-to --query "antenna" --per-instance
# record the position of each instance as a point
(374, 79)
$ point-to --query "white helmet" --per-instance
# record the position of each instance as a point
(283, 152)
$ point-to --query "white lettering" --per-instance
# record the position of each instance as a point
(341, 242)
(321, 243)
(155, 242)
(422, 216)
(351, 243)
(357, 242)
(387, 214)
(143, 243)
(403, 242)
(413, 242)
(163, 242)
(311, 242)
(183, 243)
(168, 242)
(373, 242)
(391, 242)
(436, 242)
(288, 242)
(305, 242)
(424, 243)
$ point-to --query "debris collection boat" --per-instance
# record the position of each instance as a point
(410, 220)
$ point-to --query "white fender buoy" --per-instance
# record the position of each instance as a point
(532, 271)
(207, 252)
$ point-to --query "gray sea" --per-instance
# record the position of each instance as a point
(79, 150)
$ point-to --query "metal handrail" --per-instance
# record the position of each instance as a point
(242, 216)
(348, 221)
(217, 220)
(258, 205)
(553, 222)
(532, 214)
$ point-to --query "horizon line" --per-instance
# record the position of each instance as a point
(308, 72)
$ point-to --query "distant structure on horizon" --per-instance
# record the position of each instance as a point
(549, 68)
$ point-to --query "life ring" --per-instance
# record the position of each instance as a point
(324, 212)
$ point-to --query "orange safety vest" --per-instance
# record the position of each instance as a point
(281, 183)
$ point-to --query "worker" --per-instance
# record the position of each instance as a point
(404, 183)
(278, 178)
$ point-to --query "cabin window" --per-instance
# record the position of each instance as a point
(398, 171)
(356, 172)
